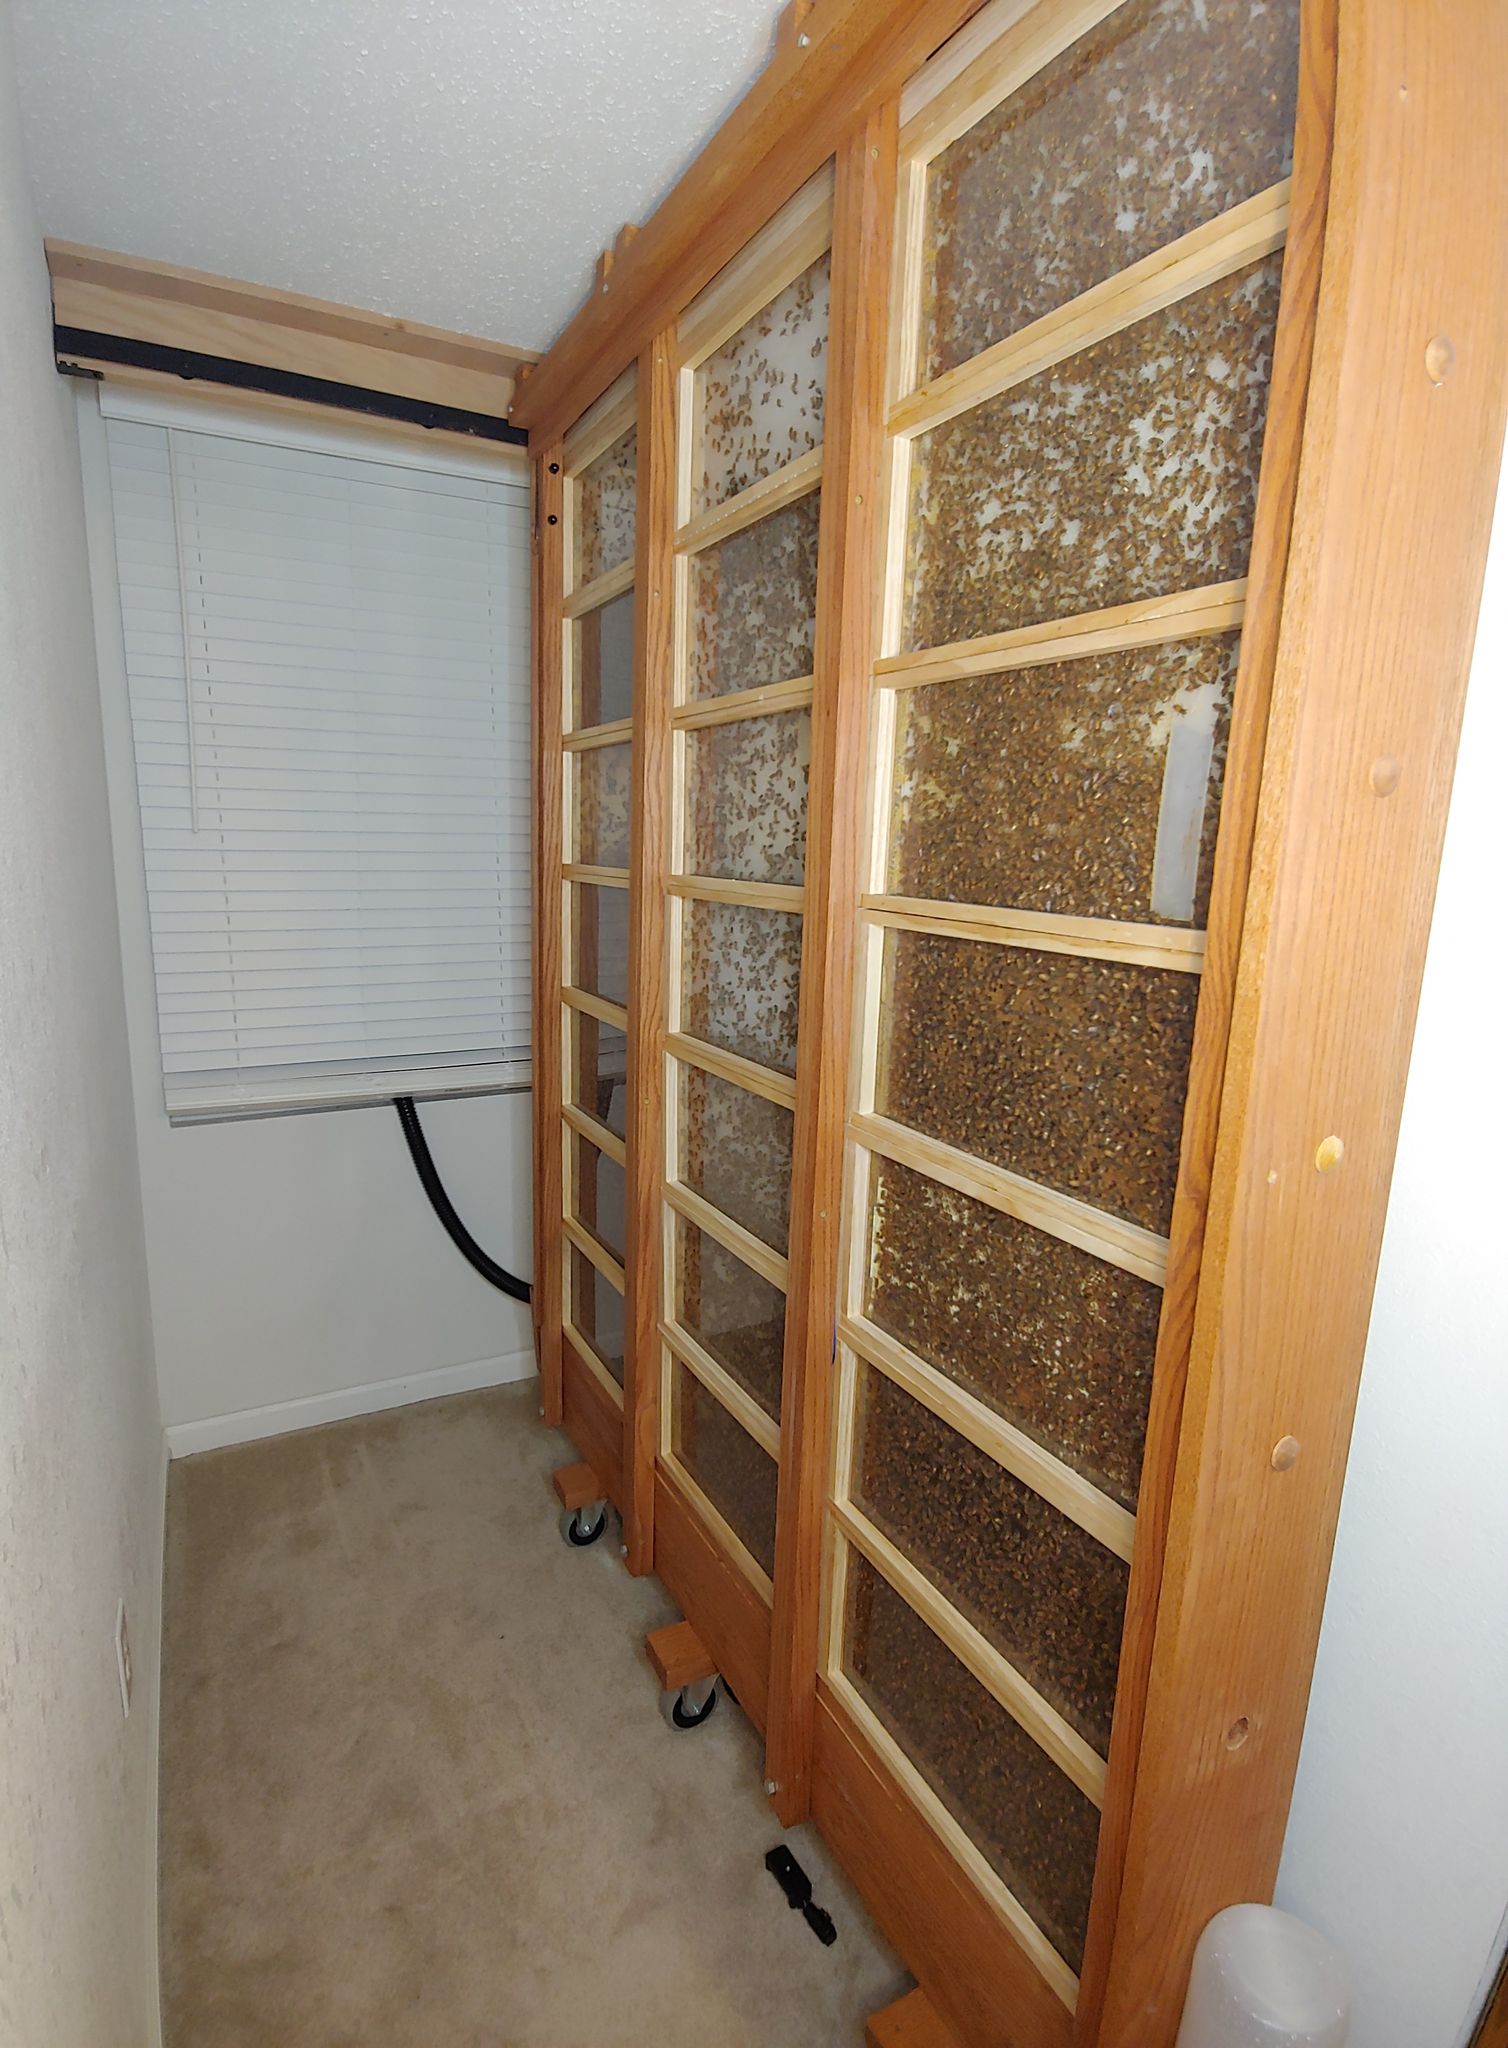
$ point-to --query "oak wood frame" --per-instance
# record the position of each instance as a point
(1364, 632)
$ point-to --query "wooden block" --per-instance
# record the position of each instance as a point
(910, 2023)
(679, 1656)
(577, 1486)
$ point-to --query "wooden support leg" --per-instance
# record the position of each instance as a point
(583, 1504)
(577, 1486)
(910, 2023)
(679, 1656)
(687, 1674)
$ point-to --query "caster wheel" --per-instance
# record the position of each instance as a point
(579, 1527)
(692, 1705)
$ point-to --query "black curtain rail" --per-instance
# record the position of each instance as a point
(73, 342)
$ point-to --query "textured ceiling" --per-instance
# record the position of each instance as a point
(459, 162)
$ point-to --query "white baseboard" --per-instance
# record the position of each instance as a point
(279, 1418)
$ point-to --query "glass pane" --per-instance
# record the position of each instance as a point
(1049, 1597)
(1168, 114)
(603, 663)
(605, 493)
(604, 782)
(1053, 1339)
(1129, 471)
(737, 1477)
(1086, 788)
(743, 980)
(597, 1312)
(754, 603)
(600, 1192)
(746, 798)
(597, 1070)
(736, 1151)
(1071, 1072)
(1027, 1819)
(734, 1315)
(761, 393)
(599, 932)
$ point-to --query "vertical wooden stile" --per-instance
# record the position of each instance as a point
(1292, 351)
(863, 227)
(1407, 386)
(654, 576)
(549, 581)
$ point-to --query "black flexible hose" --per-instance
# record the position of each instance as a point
(444, 1208)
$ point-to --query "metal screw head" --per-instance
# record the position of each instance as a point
(622, 1550)
(770, 1788)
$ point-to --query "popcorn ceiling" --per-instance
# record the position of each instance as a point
(457, 162)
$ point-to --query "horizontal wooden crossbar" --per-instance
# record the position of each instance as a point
(1127, 1245)
(769, 495)
(732, 1066)
(1091, 938)
(768, 1264)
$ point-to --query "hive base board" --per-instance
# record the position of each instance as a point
(723, 1608)
(592, 1422)
(911, 2022)
(976, 1978)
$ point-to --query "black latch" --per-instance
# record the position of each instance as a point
(797, 1886)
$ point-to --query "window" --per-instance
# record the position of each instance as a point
(327, 654)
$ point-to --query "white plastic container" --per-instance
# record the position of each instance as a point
(1262, 1979)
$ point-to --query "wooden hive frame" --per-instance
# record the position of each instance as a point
(1357, 616)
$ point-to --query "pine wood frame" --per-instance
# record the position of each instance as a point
(1358, 614)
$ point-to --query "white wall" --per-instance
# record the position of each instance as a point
(1398, 1841)
(297, 1272)
(81, 1471)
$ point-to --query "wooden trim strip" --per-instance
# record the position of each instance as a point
(1042, 1722)
(199, 313)
(1248, 232)
(596, 1133)
(1068, 1491)
(782, 487)
(739, 1404)
(590, 597)
(547, 795)
(1185, 615)
(1004, 45)
(595, 878)
(762, 701)
(1089, 938)
(586, 1353)
(732, 1067)
(599, 1254)
(755, 1253)
(648, 848)
(723, 889)
(595, 1006)
(616, 733)
(731, 1616)
(843, 656)
(602, 424)
(986, 1878)
(725, 1537)
(1119, 1243)
(789, 243)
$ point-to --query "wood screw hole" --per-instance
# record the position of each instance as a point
(1285, 1453)
(1237, 1733)
(554, 521)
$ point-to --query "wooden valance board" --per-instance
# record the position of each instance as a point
(897, 994)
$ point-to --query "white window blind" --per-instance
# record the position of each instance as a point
(328, 663)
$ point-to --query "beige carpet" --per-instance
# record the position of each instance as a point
(416, 1788)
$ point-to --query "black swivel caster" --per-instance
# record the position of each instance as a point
(692, 1705)
(581, 1527)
